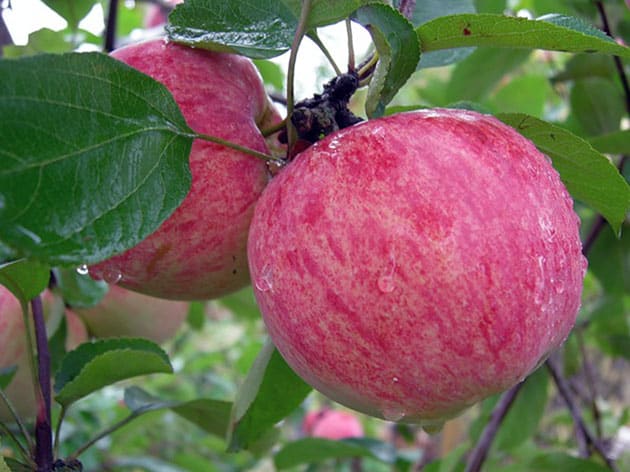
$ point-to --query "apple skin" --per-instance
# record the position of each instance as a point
(199, 252)
(13, 350)
(125, 313)
(332, 424)
(409, 266)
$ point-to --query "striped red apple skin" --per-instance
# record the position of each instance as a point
(411, 265)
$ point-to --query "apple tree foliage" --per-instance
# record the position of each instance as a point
(88, 144)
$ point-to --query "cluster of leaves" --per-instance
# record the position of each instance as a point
(67, 121)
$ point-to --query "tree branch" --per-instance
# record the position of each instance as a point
(479, 453)
(585, 438)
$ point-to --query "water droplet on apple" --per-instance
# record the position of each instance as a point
(393, 414)
(83, 269)
(112, 275)
(386, 283)
(264, 282)
(434, 427)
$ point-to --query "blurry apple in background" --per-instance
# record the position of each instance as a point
(13, 348)
(332, 424)
(199, 252)
(157, 15)
(125, 313)
(409, 266)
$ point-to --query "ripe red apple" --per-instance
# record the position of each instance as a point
(13, 349)
(409, 266)
(125, 313)
(332, 424)
(199, 252)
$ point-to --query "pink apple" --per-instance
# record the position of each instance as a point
(13, 349)
(332, 424)
(125, 313)
(409, 266)
(199, 252)
(157, 15)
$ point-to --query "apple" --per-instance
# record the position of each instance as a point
(13, 349)
(199, 252)
(409, 266)
(332, 424)
(157, 15)
(125, 313)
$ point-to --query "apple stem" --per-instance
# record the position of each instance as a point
(238, 147)
(274, 128)
(315, 38)
(105, 433)
(351, 57)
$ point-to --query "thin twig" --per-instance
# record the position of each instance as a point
(297, 39)
(43, 430)
(582, 432)
(618, 64)
(237, 147)
(103, 434)
(590, 384)
(351, 56)
(110, 28)
(322, 47)
(479, 453)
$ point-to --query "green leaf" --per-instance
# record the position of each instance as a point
(617, 142)
(559, 462)
(525, 93)
(94, 156)
(94, 365)
(597, 105)
(314, 450)
(73, 11)
(583, 66)
(471, 82)
(6, 375)
(552, 32)
(588, 175)
(609, 261)
(25, 278)
(271, 73)
(80, 291)
(523, 418)
(398, 49)
(196, 315)
(213, 416)
(326, 12)
(269, 393)
(427, 10)
(3, 465)
(42, 40)
(255, 28)
(16, 466)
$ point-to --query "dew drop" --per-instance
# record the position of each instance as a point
(393, 414)
(386, 283)
(264, 282)
(83, 269)
(112, 276)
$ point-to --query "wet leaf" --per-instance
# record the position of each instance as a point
(398, 49)
(552, 32)
(589, 176)
(94, 156)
